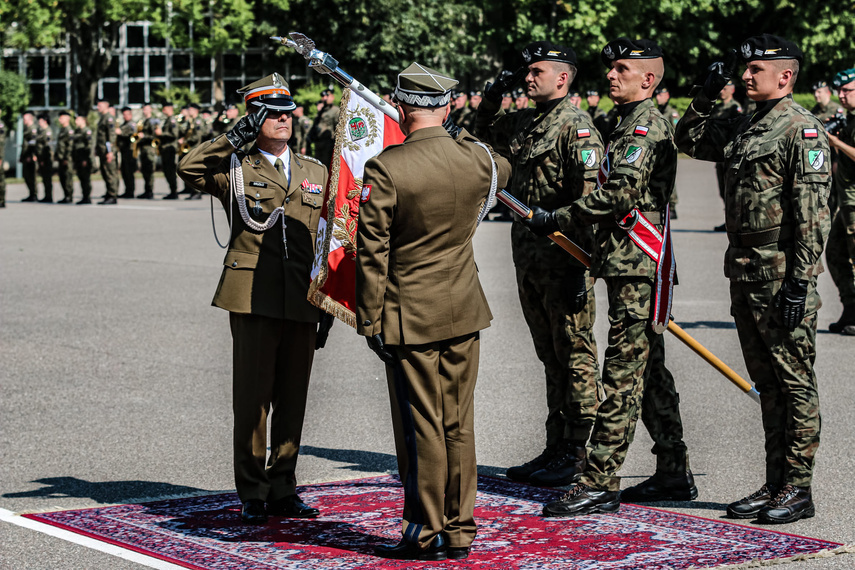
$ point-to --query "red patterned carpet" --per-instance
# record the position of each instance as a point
(205, 533)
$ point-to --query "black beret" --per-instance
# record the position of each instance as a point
(45, 117)
(193, 106)
(508, 94)
(326, 92)
(593, 93)
(548, 51)
(818, 85)
(147, 104)
(231, 106)
(767, 46)
(125, 108)
(518, 93)
(475, 94)
(843, 77)
(574, 94)
(102, 100)
(167, 104)
(659, 90)
(625, 48)
(63, 112)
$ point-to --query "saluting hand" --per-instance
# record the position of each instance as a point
(247, 128)
(720, 73)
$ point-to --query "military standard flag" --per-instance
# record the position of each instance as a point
(363, 132)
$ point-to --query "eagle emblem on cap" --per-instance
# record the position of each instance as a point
(609, 52)
(526, 55)
(276, 82)
(746, 50)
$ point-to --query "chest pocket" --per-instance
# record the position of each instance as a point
(760, 186)
(260, 201)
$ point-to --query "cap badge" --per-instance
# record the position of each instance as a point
(276, 81)
(609, 52)
(746, 50)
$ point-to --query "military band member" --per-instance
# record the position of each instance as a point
(64, 159)
(840, 251)
(2, 164)
(727, 108)
(105, 148)
(777, 185)
(637, 176)
(555, 152)
(421, 307)
(81, 153)
(169, 131)
(29, 158)
(225, 121)
(322, 134)
(147, 142)
(44, 149)
(195, 131)
(825, 108)
(127, 162)
(264, 285)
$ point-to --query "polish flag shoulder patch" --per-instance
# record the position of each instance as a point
(583, 133)
(366, 193)
(810, 133)
(640, 130)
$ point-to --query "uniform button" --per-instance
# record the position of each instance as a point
(366, 323)
(234, 264)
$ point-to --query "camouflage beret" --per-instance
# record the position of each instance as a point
(271, 92)
(767, 47)
(548, 51)
(843, 77)
(625, 48)
(422, 86)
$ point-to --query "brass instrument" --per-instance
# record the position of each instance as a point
(135, 139)
(185, 146)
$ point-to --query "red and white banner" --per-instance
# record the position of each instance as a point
(362, 133)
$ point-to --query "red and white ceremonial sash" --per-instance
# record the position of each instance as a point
(658, 247)
(362, 133)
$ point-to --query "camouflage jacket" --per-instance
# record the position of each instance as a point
(170, 132)
(82, 149)
(554, 159)
(642, 162)
(777, 175)
(844, 176)
(671, 115)
(64, 144)
(105, 139)
(149, 134)
(43, 145)
(123, 141)
(223, 125)
(596, 114)
(326, 121)
(825, 112)
(28, 146)
(464, 118)
(196, 132)
(730, 110)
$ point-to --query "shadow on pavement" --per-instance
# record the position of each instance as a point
(107, 492)
(708, 325)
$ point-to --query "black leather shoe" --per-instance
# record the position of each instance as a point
(458, 552)
(46, 200)
(748, 507)
(582, 500)
(291, 506)
(437, 551)
(30, 199)
(84, 201)
(662, 487)
(845, 320)
(145, 196)
(127, 195)
(108, 201)
(521, 473)
(65, 200)
(564, 468)
(721, 228)
(791, 504)
(171, 196)
(252, 512)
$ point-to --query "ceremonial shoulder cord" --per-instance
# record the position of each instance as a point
(491, 197)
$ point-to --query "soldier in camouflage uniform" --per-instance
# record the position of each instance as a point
(127, 164)
(105, 148)
(64, 145)
(322, 134)
(81, 153)
(44, 152)
(727, 108)
(169, 131)
(29, 157)
(840, 251)
(297, 142)
(554, 150)
(147, 151)
(460, 113)
(663, 98)
(195, 131)
(593, 100)
(777, 185)
(638, 173)
(825, 108)
(2, 164)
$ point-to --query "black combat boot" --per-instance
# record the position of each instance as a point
(564, 468)
(521, 473)
(662, 487)
(845, 320)
(583, 500)
(748, 507)
(789, 505)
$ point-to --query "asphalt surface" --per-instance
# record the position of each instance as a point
(116, 371)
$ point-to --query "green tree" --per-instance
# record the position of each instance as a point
(14, 97)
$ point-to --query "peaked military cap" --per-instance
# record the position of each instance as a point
(548, 51)
(766, 46)
(818, 85)
(843, 77)
(421, 86)
(271, 92)
(625, 48)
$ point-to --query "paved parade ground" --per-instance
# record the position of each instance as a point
(116, 373)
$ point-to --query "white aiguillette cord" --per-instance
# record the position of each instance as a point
(237, 188)
(491, 197)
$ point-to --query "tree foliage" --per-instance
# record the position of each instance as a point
(14, 97)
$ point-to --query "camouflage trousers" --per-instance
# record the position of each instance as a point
(110, 175)
(635, 357)
(564, 343)
(780, 363)
(66, 179)
(840, 253)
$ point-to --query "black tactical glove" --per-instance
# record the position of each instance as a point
(375, 343)
(247, 128)
(719, 74)
(493, 91)
(791, 300)
(577, 289)
(450, 127)
(542, 222)
(324, 327)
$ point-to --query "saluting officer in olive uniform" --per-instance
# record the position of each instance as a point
(169, 131)
(44, 150)
(264, 284)
(82, 155)
(555, 152)
(421, 307)
(128, 164)
(322, 134)
(105, 148)
(147, 139)
(64, 159)
(777, 184)
(637, 176)
(29, 158)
